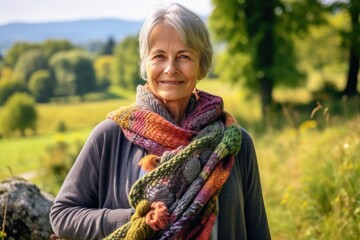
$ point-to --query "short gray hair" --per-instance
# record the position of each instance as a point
(191, 29)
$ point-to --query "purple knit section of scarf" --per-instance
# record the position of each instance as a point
(208, 109)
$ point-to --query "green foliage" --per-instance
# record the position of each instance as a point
(324, 66)
(102, 67)
(61, 66)
(108, 48)
(61, 128)
(12, 55)
(41, 85)
(57, 161)
(50, 47)
(8, 88)
(125, 69)
(260, 34)
(19, 113)
(74, 73)
(29, 62)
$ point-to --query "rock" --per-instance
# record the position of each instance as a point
(28, 208)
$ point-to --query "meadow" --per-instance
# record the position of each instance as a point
(308, 154)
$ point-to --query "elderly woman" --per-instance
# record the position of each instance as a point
(174, 165)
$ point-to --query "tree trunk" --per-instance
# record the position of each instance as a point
(266, 85)
(260, 24)
(354, 59)
(352, 77)
(266, 55)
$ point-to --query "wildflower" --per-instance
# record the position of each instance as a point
(306, 125)
(285, 199)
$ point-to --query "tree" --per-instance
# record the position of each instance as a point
(41, 85)
(12, 55)
(102, 67)
(50, 47)
(19, 113)
(108, 48)
(125, 68)
(73, 72)
(8, 88)
(259, 33)
(5, 73)
(29, 62)
(323, 66)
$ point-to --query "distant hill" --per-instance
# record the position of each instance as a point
(79, 32)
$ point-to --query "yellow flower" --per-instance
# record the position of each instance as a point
(285, 199)
(59, 137)
(306, 125)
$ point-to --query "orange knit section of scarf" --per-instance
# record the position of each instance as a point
(151, 126)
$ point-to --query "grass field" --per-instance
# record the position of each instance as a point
(310, 168)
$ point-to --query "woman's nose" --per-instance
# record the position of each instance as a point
(171, 67)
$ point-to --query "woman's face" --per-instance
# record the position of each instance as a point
(172, 67)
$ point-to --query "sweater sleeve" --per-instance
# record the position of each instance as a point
(77, 212)
(255, 213)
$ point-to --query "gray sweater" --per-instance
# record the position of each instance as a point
(93, 200)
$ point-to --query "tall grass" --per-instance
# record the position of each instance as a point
(311, 177)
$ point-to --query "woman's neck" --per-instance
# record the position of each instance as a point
(177, 110)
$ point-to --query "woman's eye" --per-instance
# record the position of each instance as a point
(158, 56)
(184, 58)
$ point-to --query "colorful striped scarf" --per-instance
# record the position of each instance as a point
(187, 165)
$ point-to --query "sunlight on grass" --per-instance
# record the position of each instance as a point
(24, 154)
(76, 115)
(300, 95)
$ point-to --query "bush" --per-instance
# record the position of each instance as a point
(57, 161)
(19, 113)
(61, 128)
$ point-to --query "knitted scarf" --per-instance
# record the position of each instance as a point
(186, 165)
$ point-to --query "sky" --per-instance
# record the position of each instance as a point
(35, 11)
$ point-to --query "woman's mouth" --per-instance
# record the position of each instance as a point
(170, 82)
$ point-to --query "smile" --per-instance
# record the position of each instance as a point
(172, 82)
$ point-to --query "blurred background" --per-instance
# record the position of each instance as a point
(287, 69)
